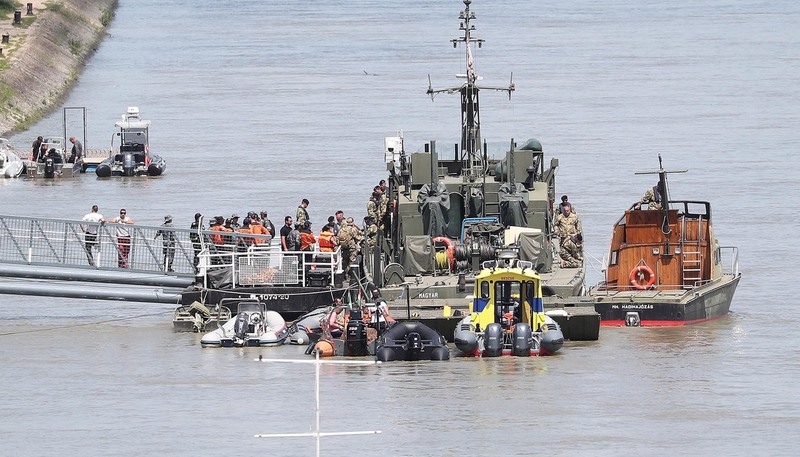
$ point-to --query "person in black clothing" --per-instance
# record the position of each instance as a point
(196, 227)
(285, 230)
(267, 223)
(36, 148)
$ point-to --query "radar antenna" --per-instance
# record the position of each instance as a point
(470, 108)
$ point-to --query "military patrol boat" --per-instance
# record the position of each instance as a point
(447, 215)
(665, 267)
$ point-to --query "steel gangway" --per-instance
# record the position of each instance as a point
(54, 257)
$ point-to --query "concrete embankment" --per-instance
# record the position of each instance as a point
(45, 54)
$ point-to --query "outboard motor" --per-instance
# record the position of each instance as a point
(241, 324)
(356, 342)
(493, 340)
(49, 167)
(413, 342)
(128, 165)
(523, 341)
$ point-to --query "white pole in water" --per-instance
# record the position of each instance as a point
(317, 433)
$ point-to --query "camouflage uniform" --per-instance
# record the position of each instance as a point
(571, 252)
(383, 208)
(349, 240)
(373, 208)
(650, 198)
(371, 234)
(569, 229)
(301, 217)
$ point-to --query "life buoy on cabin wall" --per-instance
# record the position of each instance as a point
(451, 249)
(642, 277)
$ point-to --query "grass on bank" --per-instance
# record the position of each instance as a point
(7, 6)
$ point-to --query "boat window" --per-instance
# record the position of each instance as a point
(506, 291)
(614, 255)
(485, 289)
(530, 291)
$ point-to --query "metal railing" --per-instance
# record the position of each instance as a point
(58, 242)
(266, 264)
(251, 259)
(729, 258)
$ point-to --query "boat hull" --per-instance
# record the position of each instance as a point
(125, 165)
(290, 301)
(634, 308)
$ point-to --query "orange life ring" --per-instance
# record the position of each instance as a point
(641, 284)
(451, 249)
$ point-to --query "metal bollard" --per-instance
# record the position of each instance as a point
(30, 10)
(17, 17)
(6, 36)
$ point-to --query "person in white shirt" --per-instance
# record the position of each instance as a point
(123, 237)
(90, 232)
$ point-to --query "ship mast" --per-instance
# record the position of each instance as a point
(663, 189)
(470, 152)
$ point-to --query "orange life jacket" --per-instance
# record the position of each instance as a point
(326, 243)
(258, 229)
(217, 239)
(246, 240)
(306, 239)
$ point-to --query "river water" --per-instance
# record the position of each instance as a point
(256, 105)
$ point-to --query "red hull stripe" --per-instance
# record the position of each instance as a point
(655, 323)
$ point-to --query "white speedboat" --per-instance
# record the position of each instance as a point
(252, 326)
(133, 156)
(11, 166)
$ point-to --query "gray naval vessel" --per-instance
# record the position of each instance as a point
(451, 209)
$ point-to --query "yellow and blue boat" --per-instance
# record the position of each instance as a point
(506, 316)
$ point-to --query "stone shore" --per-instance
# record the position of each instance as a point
(45, 56)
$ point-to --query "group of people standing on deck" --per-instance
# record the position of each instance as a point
(296, 235)
(567, 226)
(40, 151)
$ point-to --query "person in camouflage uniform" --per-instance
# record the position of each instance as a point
(350, 241)
(370, 231)
(568, 228)
(651, 198)
(373, 205)
(302, 213)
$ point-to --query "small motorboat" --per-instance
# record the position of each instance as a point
(369, 330)
(133, 157)
(253, 325)
(506, 315)
(411, 340)
(11, 166)
(308, 327)
(55, 162)
(197, 317)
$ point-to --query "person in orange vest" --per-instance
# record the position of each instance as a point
(327, 241)
(242, 243)
(257, 228)
(307, 239)
(217, 226)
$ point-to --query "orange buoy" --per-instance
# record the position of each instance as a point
(325, 348)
